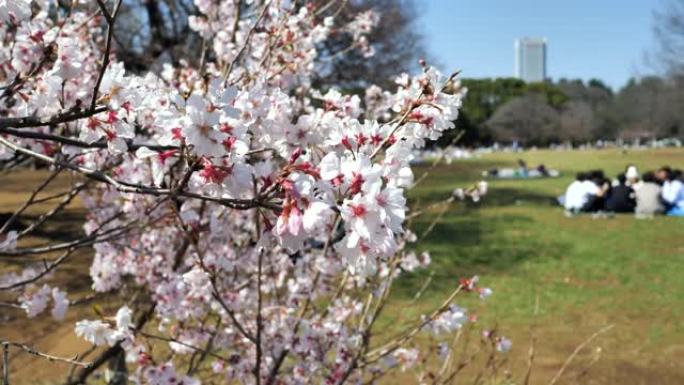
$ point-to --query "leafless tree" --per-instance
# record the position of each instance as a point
(398, 46)
(650, 107)
(526, 119)
(669, 31)
(152, 32)
(577, 121)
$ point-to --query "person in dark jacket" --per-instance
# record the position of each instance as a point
(622, 198)
(597, 199)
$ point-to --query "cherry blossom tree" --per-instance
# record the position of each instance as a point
(260, 222)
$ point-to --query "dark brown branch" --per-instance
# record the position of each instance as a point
(5, 363)
(109, 353)
(257, 368)
(77, 244)
(29, 201)
(187, 345)
(242, 51)
(111, 18)
(46, 270)
(35, 121)
(61, 205)
(95, 237)
(78, 143)
(230, 312)
(273, 373)
(125, 187)
(49, 357)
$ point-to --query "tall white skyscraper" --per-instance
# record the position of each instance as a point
(530, 59)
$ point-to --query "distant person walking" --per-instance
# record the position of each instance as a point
(648, 201)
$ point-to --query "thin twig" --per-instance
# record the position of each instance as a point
(398, 341)
(281, 358)
(109, 353)
(257, 369)
(237, 57)
(80, 356)
(187, 345)
(79, 143)
(111, 19)
(125, 187)
(236, 22)
(61, 205)
(30, 200)
(5, 363)
(422, 289)
(49, 357)
(576, 351)
(46, 270)
(533, 336)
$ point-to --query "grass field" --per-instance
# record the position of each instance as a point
(583, 273)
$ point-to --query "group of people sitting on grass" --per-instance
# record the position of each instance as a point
(521, 172)
(659, 192)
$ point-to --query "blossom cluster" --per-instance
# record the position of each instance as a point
(235, 195)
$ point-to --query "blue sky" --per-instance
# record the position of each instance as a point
(605, 39)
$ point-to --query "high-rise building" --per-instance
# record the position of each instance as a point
(530, 59)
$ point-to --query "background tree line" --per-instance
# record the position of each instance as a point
(572, 111)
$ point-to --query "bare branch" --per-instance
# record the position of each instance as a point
(179, 342)
(229, 68)
(46, 270)
(79, 143)
(45, 216)
(5, 363)
(64, 117)
(125, 187)
(257, 369)
(577, 350)
(109, 353)
(49, 357)
(111, 18)
(29, 201)
(398, 341)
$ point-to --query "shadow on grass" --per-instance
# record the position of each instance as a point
(499, 196)
(502, 196)
(467, 243)
(64, 226)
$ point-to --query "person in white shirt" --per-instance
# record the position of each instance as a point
(578, 193)
(672, 192)
(574, 194)
(584, 194)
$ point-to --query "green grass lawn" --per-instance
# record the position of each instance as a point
(586, 273)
